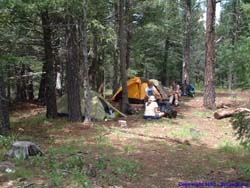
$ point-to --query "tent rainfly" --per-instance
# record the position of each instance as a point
(136, 90)
(100, 108)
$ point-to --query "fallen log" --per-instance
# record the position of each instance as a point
(229, 112)
(224, 105)
(224, 113)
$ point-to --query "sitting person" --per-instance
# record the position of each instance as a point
(176, 93)
(152, 109)
(151, 91)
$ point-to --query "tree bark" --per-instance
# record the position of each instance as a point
(42, 88)
(4, 113)
(122, 47)
(30, 89)
(115, 70)
(116, 51)
(72, 73)
(209, 91)
(187, 41)
(234, 38)
(50, 95)
(94, 69)
(164, 71)
(129, 30)
(23, 83)
(18, 83)
(85, 67)
(229, 112)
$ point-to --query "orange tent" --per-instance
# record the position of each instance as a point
(136, 90)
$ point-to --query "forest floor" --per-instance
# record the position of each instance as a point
(163, 153)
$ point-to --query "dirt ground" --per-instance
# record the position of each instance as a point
(193, 148)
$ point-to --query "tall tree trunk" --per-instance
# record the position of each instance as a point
(4, 113)
(18, 83)
(128, 30)
(116, 51)
(94, 69)
(23, 83)
(72, 73)
(187, 41)
(42, 88)
(50, 94)
(85, 66)
(9, 84)
(164, 70)
(115, 70)
(209, 92)
(234, 38)
(122, 47)
(30, 85)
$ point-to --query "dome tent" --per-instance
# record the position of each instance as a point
(100, 108)
(136, 90)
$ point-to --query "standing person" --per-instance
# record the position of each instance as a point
(176, 92)
(152, 109)
(151, 91)
(58, 81)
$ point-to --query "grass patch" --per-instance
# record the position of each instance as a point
(202, 114)
(113, 169)
(227, 146)
(22, 172)
(70, 170)
(186, 131)
(63, 150)
(128, 149)
(163, 122)
(33, 121)
(7, 141)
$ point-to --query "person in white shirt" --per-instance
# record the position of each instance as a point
(152, 109)
(151, 91)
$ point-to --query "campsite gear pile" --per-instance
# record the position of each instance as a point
(136, 94)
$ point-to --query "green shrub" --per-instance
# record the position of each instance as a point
(241, 124)
(7, 141)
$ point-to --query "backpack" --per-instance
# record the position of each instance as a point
(166, 108)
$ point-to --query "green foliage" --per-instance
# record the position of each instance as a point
(120, 167)
(245, 170)
(234, 50)
(202, 114)
(126, 168)
(35, 121)
(73, 166)
(7, 141)
(241, 125)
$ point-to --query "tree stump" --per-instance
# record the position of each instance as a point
(23, 149)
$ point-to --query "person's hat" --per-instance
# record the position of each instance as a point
(152, 98)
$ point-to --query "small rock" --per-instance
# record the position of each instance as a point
(7, 166)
